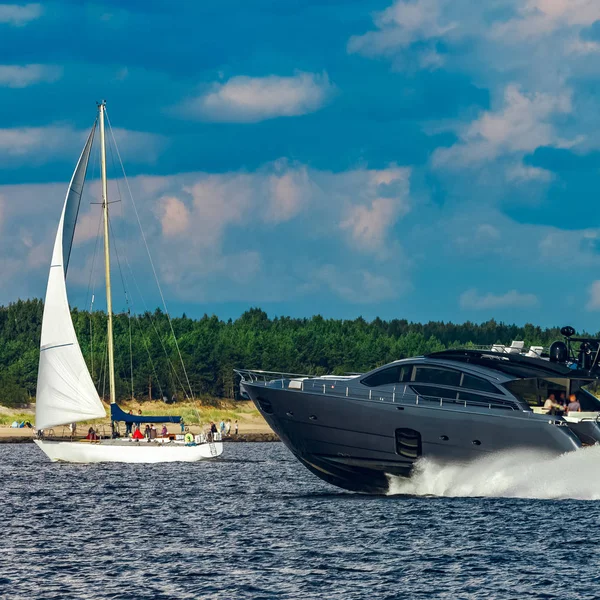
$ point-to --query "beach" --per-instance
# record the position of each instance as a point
(197, 418)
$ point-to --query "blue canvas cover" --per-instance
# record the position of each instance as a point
(118, 414)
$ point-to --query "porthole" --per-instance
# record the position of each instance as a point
(444, 438)
(313, 417)
(289, 413)
(476, 443)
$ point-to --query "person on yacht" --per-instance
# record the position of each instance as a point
(574, 405)
(137, 434)
(562, 400)
(551, 406)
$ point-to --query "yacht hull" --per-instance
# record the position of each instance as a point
(127, 452)
(353, 443)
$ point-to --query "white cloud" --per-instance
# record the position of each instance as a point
(41, 144)
(594, 296)
(19, 14)
(175, 217)
(288, 192)
(520, 126)
(272, 234)
(472, 300)
(579, 46)
(251, 99)
(20, 76)
(400, 25)
(543, 17)
(522, 173)
(368, 223)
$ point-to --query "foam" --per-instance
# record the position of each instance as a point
(514, 474)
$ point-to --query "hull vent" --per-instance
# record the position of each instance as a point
(408, 443)
(265, 405)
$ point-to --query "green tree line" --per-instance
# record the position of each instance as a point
(211, 348)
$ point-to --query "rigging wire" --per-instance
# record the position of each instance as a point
(150, 256)
(172, 369)
(152, 321)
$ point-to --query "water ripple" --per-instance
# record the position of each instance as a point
(257, 525)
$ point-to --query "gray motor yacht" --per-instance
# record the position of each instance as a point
(452, 406)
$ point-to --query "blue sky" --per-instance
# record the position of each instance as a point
(422, 159)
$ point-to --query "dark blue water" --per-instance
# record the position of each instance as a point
(258, 525)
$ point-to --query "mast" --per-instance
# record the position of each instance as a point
(111, 355)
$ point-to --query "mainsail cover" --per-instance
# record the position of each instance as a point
(65, 390)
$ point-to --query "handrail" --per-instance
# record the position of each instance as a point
(333, 388)
(242, 372)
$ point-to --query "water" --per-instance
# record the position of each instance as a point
(258, 525)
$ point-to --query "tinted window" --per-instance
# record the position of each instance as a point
(481, 385)
(436, 392)
(437, 376)
(526, 390)
(388, 376)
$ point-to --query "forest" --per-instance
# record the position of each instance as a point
(147, 362)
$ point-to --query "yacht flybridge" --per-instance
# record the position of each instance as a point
(452, 406)
(65, 390)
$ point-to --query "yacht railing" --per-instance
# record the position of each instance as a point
(338, 387)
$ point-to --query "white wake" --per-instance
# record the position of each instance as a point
(517, 474)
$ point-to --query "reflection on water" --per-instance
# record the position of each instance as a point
(258, 525)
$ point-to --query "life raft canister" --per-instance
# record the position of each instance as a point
(189, 438)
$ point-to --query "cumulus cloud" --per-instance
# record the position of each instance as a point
(251, 99)
(400, 25)
(523, 173)
(175, 216)
(521, 125)
(40, 144)
(20, 76)
(19, 14)
(272, 234)
(472, 300)
(368, 223)
(543, 17)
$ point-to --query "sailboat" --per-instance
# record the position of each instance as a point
(66, 393)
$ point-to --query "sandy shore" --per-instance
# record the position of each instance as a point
(250, 422)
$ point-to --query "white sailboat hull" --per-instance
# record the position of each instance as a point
(128, 452)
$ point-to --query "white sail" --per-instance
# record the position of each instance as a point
(65, 391)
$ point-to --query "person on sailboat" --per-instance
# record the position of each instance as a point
(165, 431)
(92, 435)
(129, 425)
(137, 434)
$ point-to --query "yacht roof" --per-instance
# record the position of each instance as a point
(515, 365)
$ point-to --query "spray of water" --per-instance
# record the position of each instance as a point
(517, 474)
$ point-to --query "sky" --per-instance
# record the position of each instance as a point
(418, 159)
